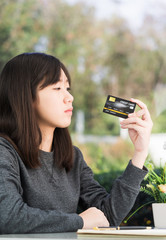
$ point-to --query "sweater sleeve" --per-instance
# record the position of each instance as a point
(16, 216)
(116, 204)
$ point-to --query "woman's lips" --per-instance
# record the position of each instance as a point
(70, 110)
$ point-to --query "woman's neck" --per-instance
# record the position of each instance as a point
(47, 139)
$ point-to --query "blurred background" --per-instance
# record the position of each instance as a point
(114, 47)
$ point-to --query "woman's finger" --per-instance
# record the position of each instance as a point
(134, 120)
(142, 105)
(140, 113)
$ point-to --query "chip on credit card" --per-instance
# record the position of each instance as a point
(118, 107)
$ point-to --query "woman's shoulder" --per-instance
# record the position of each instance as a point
(7, 151)
(76, 149)
(77, 153)
(4, 143)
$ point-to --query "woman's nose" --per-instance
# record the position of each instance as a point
(68, 98)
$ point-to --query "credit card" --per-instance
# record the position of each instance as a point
(118, 107)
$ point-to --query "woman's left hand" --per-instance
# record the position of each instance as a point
(139, 125)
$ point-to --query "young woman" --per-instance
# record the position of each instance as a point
(43, 178)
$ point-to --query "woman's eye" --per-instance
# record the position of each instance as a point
(57, 88)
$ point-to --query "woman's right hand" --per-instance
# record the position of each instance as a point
(93, 217)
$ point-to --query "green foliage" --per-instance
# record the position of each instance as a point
(19, 28)
(106, 157)
(99, 123)
(141, 213)
(160, 126)
(106, 179)
(103, 56)
(153, 189)
(156, 184)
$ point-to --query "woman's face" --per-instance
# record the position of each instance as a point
(53, 105)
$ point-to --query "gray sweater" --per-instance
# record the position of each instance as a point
(46, 199)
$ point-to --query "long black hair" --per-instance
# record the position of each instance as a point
(19, 80)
